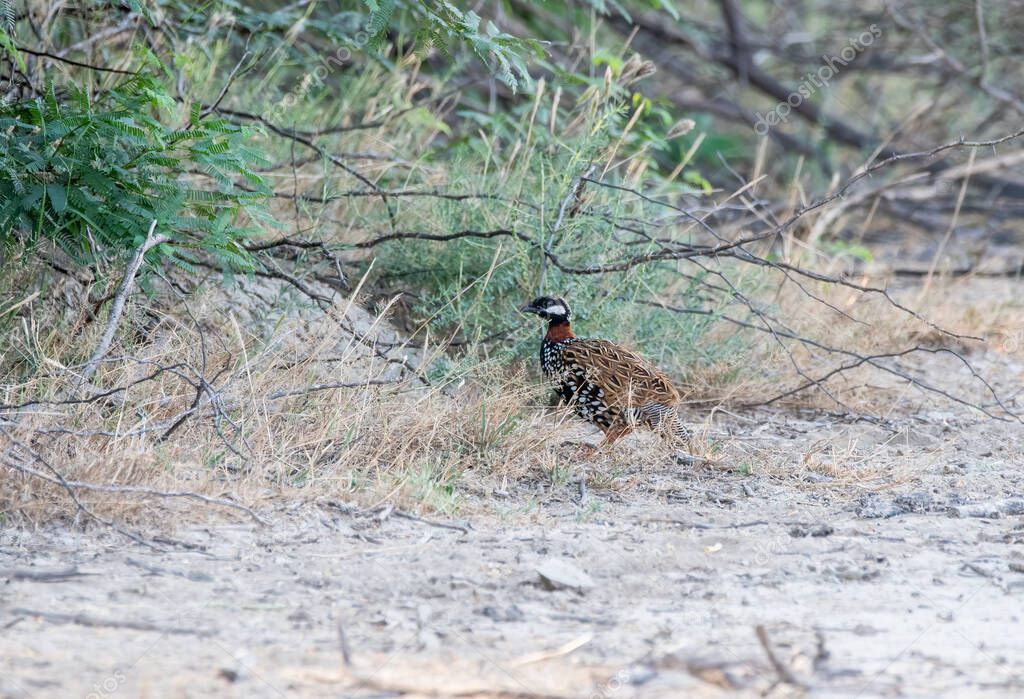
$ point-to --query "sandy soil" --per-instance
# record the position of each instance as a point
(875, 580)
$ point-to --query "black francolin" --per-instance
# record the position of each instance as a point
(608, 385)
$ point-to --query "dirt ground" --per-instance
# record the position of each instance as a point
(882, 581)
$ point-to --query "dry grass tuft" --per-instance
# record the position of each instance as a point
(252, 396)
(297, 408)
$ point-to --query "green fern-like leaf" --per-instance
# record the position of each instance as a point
(8, 15)
(106, 168)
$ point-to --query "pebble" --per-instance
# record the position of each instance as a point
(557, 574)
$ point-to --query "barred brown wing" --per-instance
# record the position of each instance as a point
(625, 378)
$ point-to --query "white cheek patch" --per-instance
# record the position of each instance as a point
(556, 310)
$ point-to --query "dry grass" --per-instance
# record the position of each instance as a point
(271, 424)
(274, 432)
(277, 427)
(983, 319)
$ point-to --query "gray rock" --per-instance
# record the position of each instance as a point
(557, 574)
(505, 614)
(685, 459)
(990, 510)
(875, 506)
(818, 530)
(915, 502)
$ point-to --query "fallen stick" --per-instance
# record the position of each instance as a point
(96, 622)
(781, 670)
(563, 649)
(42, 575)
(346, 650)
(59, 479)
(430, 522)
(703, 525)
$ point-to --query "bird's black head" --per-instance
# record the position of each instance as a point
(551, 309)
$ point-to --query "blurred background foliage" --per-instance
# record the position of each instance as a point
(464, 157)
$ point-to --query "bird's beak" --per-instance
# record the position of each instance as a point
(527, 309)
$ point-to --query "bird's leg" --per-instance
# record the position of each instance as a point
(616, 431)
(678, 431)
(611, 433)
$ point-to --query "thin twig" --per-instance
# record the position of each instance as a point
(433, 523)
(79, 64)
(315, 388)
(96, 622)
(571, 197)
(123, 291)
(227, 85)
(784, 673)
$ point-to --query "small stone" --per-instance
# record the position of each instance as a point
(504, 614)
(300, 618)
(819, 530)
(989, 510)
(684, 459)
(915, 502)
(873, 506)
(823, 530)
(556, 574)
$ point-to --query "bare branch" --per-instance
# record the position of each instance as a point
(123, 291)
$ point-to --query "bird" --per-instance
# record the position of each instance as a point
(608, 385)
